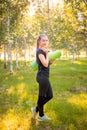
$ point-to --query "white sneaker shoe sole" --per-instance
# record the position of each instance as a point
(44, 118)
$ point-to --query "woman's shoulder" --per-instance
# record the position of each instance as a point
(39, 51)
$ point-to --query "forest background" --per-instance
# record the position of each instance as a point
(65, 23)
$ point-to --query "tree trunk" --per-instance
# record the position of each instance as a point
(17, 63)
(0, 56)
(48, 7)
(10, 54)
(86, 36)
(73, 59)
(86, 47)
(29, 52)
(25, 51)
(9, 41)
(5, 66)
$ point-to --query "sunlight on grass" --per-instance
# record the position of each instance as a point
(53, 115)
(20, 88)
(72, 127)
(79, 100)
(78, 62)
(6, 78)
(22, 93)
(20, 78)
(15, 121)
(19, 93)
(10, 90)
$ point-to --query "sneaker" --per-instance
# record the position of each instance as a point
(33, 110)
(43, 118)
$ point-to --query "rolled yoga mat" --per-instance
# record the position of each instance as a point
(52, 56)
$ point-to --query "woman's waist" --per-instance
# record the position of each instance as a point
(43, 73)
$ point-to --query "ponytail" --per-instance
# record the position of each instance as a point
(37, 43)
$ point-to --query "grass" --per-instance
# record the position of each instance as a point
(68, 108)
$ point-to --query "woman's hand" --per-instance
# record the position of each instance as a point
(46, 51)
(51, 61)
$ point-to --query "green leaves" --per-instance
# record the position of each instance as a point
(64, 24)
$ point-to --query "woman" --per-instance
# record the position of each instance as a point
(45, 90)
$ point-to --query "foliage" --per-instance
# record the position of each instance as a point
(65, 24)
(61, 24)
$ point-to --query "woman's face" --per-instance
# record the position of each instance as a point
(44, 42)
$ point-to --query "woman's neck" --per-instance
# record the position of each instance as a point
(42, 48)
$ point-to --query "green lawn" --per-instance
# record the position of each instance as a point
(68, 108)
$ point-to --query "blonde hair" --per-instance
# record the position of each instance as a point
(39, 38)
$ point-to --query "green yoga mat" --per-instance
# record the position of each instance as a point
(52, 56)
(34, 65)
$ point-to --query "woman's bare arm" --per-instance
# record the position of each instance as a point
(44, 61)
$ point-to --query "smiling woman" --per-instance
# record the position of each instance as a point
(45, 89)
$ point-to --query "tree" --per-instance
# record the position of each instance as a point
(80, 8)
(11, 11)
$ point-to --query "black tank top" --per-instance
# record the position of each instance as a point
(41, 69)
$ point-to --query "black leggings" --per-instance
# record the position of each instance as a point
(45, 93)
(41, 101)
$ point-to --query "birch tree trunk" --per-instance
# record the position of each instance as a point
(29, 52)
(17, 63)
(85, 33)
(5, 65)
(73, 59)
(25, 51)
(10, 55)
(48, 7)
(9, 41)
(86, 42)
